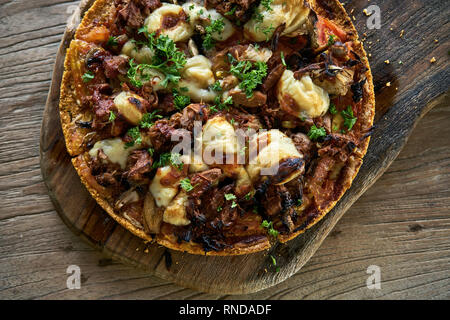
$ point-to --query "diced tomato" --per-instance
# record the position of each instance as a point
(97, 35)
(326, 28)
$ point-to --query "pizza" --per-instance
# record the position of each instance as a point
(217, 127)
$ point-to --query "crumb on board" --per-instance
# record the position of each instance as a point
(433, 60)
(367, 13)
(387, 61)
(402, 33)
(388, 84)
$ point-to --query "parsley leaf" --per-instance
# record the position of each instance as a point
(316, 133)
(230, 196)
(112, 42)
(267, 4)
(349, 119)
(112, 116)
(250, 74)
(216, 86)
(215, 26)
(186, 184)
(219, 105)
(282, 59)
(180, 101)
(134, 134)
(169, 158)
(231, 12)
(167, 59)
(331, 39)
(147, 119)
(269, 226)
(332, 108)
(88, 76)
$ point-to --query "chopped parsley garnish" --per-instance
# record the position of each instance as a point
(169, 158)
(331, 39)
(180, 101)
(250, 74)
(151, 151)
(282, 59)
(112, 116)
(134, 134)
(219, 209)
(216, 86)
(219, 105)
(267, 4)
(269, 226)
(258, 17)
(332, 108)
(231, 12)
(299, 202)
(167, 59)
(248, 196)
(316, 133)
(215, 26)
(147, 119)
(230, 196)
(186, 185)
(274, 262)
(112, 42)
(234, 204)
(88, 76)
(349, 118)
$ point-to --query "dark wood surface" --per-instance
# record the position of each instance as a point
(401, 225)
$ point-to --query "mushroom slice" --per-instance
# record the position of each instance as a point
(153, 216)
(175, 213)
(129, 106)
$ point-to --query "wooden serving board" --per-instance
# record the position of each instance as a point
(414, 81)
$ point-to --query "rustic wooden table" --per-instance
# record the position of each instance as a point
(402, 224)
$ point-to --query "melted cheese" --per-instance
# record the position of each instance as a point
(130, 111)
(261, 54)
(182, 31)
(197, 77)
(163, 194)
(308, 97)
(114, 149)
(195, 163)
(200, 15)
(198, 70)
(269, 149)
(219, 139)
(292, 12)
(175, 213)
(143, 55)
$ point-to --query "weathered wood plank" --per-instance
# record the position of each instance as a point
(401, 223)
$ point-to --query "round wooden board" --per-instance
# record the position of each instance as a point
(224, 275)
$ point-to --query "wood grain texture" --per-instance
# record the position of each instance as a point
(401, 224)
